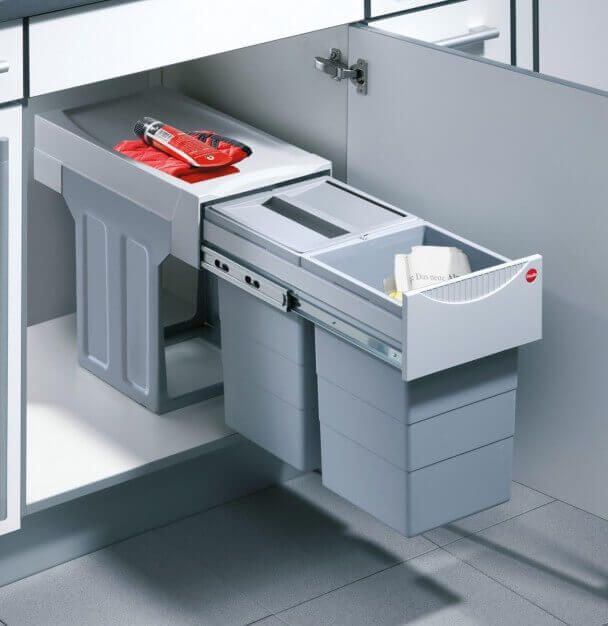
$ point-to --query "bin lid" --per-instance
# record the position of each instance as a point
(304, 217)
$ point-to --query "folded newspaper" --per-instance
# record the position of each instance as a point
(425, 266)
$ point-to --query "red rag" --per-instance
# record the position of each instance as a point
(140, 151)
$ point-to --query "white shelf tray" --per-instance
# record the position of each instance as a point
(83, 435)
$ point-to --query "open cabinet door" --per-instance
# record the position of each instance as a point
(10, 318)
(517, 162)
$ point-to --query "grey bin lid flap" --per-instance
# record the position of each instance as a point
(303, 217)
(81, 139)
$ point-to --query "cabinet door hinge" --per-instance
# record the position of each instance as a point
(335, 67)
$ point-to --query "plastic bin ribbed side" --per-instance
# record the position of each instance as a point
(119, 250)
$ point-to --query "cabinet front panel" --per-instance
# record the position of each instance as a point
(109, 39)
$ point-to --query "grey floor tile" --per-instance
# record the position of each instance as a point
(268, 621)
(292, 543)
(140, 582)
(434, 589)
(358, 523)
(557, 556)
(523, 499)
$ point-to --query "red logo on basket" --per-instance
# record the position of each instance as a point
(531, 275)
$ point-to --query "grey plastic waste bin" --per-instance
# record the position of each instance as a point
(420, 451)
(131, 221)
(270, 384)
(416, 400)
(413, 454)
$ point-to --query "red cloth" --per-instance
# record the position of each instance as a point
(139, 151)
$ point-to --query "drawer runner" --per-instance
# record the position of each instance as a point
(282, 298)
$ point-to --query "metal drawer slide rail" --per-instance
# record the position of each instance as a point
(278, 296)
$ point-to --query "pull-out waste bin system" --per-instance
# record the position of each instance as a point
(416, 401)
(129, 219)
(408, 407)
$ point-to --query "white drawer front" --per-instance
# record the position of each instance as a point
(382, 7)
(572, 40)
(110, 39)
(451, 21)
(11, 61)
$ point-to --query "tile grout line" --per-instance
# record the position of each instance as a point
(258, 621)
(544, 493)
(352, 582)
(554, 499)
(578, 508)
(476, 532)
(498, 582)
(498, 524)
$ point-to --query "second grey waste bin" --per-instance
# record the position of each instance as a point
(416, 455)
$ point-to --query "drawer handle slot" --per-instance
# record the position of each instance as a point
(4, 67)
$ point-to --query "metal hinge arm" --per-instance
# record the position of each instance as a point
(334, 67)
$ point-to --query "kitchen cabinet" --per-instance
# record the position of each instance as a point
(109, 39)
(458, 135)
